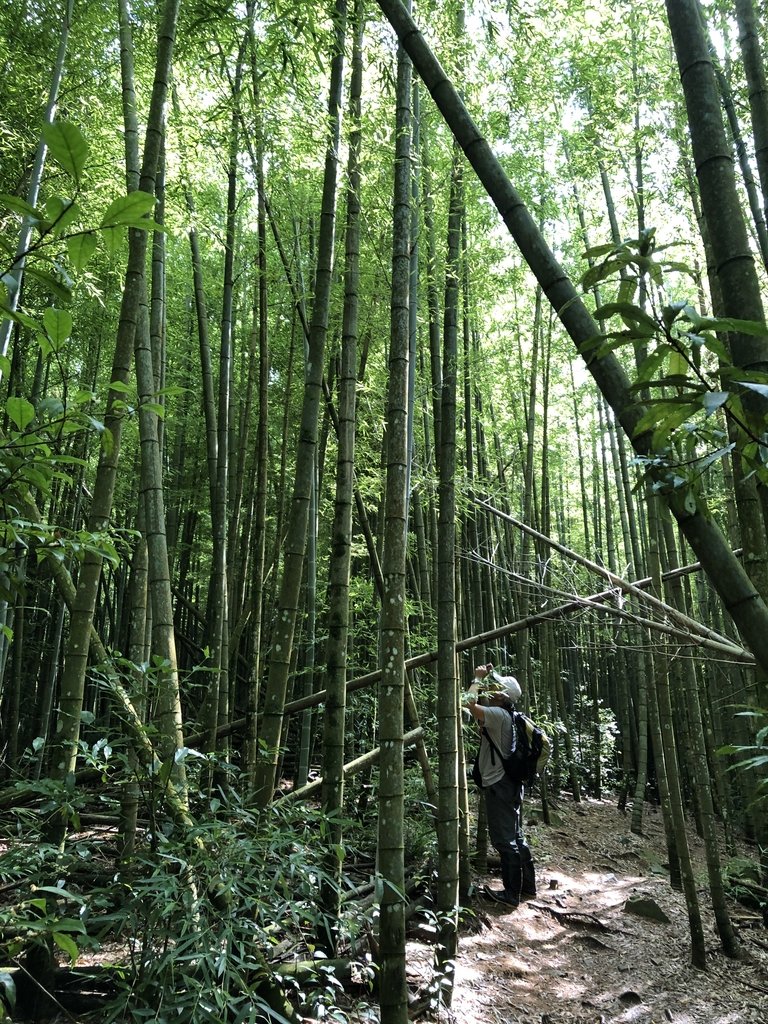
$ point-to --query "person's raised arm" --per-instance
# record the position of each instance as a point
(477, 710)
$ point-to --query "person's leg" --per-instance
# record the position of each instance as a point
(526, 858)
(503, 826)
(527, 867)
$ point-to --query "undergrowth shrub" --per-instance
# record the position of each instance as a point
(197, 920)
(205, 914)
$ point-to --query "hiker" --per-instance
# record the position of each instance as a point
(503, 797)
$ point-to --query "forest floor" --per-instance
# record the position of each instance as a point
(573, 955)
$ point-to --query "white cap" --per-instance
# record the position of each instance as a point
(510, 686)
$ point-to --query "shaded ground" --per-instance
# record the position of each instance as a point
(574, 956)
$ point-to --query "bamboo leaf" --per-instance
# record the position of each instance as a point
(760, 389)
(712, 400)
(62, 893)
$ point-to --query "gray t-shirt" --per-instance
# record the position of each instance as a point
(498, 722)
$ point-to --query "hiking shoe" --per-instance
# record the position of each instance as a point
(500, 896)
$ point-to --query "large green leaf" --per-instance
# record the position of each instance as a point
(58, 326)
(627, 311)
(601, 271)
(663, 431)
(8, 989)
(129, 211)
(20, 412)
(20, 206)
(17, 317)
(654, 412)
(60, 213)
(67, 945)
(67, 146)
(649, 366)
(113, 239)
(727, 323)
(596, 251)
(59, 290)
(80, 249)
(677, 365)
(715, 456)
(677, 380)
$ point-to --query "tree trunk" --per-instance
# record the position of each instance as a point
(392, 985)
(672, 803)
(82, 613)
(448, 722)
(734, 262)
(757, 86)
(701, 775)
(341, 533)
(259, 535)
(168, 709)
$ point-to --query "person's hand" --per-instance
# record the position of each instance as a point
(481, 671)
(473, 692)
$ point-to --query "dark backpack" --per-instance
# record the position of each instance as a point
(528, 756)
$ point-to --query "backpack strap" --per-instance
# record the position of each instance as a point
(494, 748)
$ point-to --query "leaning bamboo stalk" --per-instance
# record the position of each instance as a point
(685, 621)
(353, 767)
(481, 639)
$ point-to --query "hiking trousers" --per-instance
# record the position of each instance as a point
(503, 804)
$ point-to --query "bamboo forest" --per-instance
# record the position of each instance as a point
(345, 346)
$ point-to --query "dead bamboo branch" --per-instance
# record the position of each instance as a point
(699, 630)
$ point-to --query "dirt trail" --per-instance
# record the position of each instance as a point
(574, 955)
